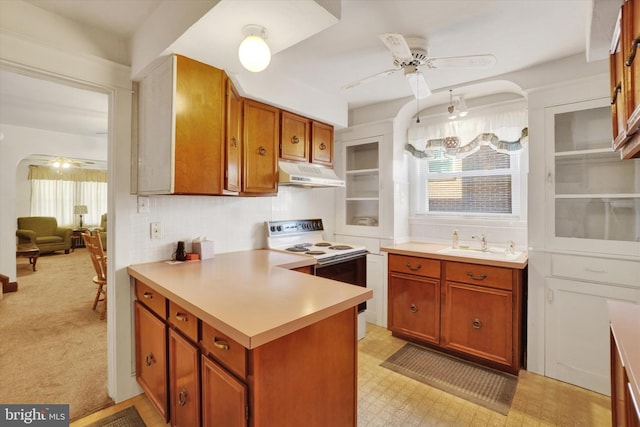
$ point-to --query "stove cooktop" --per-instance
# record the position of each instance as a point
(305, 237)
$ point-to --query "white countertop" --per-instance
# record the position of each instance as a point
(251, 296)
(431, 250)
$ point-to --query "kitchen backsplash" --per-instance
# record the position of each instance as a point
(233, 223)
(497, 232)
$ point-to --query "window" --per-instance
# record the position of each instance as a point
(479, 177)
(482, 183)
(55, 193)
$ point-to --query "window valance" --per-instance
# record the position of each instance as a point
(504, 132)
(72, 174)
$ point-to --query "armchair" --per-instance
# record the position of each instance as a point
(43, 231)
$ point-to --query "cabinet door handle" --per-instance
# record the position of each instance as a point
(416, 268)
(262, 151)
(480, 277)
(295, 139)
(323, 146)
(413, 308)
(147, 295)
(477, 324)
(149, 359)
(234, 141)
(182, 397)
(182, 317)
(632, 52)
(616, 91)
(220, 344)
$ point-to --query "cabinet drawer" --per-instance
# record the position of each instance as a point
(152, 299)
(222, 348)
(414, 265)
(184, 321)
(610, 271)
(483, 275)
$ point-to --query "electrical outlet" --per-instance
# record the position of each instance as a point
(155, 230)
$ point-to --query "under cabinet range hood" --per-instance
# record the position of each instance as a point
(307, 175)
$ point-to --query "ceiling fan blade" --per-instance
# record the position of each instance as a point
(471, 61)
(398, 46)
(417, 82)
(371, 78)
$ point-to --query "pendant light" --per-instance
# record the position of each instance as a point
(254, 52)
(457, 107)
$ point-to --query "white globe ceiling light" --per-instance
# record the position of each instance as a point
(254, 52)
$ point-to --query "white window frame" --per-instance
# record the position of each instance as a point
(419, 185)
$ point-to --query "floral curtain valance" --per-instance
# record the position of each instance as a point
(72, 174)
(504, 132)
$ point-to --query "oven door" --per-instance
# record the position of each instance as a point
(349, 270)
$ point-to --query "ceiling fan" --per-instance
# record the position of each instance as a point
(411, 53)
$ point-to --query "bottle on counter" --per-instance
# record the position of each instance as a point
(454, 243)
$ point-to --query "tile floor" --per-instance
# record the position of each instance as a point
(388, 399)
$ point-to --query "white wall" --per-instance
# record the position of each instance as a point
(234, 223)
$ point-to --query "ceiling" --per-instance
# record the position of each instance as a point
(519, 33)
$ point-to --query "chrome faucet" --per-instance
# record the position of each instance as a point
(483, 242)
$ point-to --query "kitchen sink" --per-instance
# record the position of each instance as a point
(490, 253)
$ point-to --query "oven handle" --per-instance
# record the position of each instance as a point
(340, 260)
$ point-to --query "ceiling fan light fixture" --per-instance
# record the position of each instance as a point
(254, 52)
(416, 82)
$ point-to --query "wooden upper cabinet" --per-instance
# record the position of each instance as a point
(321, 144)
(233, 159)
(631, 46)
(305, 140)
(618, 104)
(181, 129)
(261, 133)
(625, 81)
(295, 137)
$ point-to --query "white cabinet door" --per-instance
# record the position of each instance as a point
(156, 137)
(577, 331)
(376, 280)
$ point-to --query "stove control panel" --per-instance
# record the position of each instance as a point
(283, 228)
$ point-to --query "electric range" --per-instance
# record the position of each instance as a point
(306, 237)
(334, 260)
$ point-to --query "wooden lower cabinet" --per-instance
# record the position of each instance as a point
(308, 377)
(184, 381)
(478, 321)
(151, 357)
(470, 310)
(224, 397)
(414, 306)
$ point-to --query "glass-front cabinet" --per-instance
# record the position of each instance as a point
(362, 177)
(361, 212)
(592, 195)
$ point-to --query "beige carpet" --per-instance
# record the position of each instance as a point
(53, 346)
(487, 387)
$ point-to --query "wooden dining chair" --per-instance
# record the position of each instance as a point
(99, 260)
